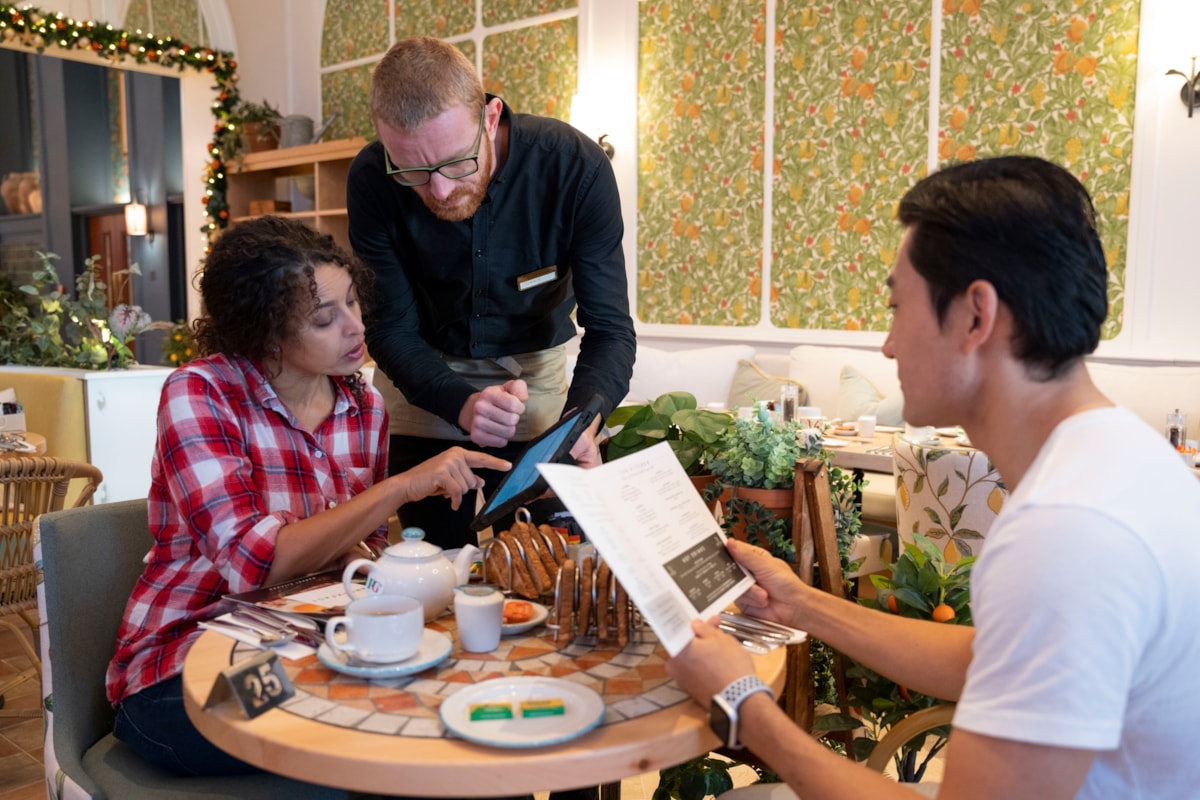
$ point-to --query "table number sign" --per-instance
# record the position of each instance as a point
(258, 684)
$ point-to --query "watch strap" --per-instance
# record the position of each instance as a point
(732, 697)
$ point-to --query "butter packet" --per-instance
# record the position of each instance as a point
(486, 711)
(550, 707)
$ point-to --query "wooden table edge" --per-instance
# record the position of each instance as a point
(282, 742)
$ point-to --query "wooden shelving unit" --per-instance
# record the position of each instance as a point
(312, 178)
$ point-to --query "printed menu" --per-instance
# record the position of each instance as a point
(660, 540)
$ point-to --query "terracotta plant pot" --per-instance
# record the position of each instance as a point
(776, 501)
(260, 136)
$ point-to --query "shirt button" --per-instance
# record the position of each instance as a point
(331, 504)
(479, 253)
(318, 453)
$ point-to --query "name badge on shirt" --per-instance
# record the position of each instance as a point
(531, 279)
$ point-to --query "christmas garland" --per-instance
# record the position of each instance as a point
(37, 29)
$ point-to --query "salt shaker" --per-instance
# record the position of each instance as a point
(789, 399)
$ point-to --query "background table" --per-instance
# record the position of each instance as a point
(36, 439)
(664, 726)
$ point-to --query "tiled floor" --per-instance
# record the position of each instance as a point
(20, 739)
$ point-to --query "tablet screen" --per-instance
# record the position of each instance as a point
(523, 482)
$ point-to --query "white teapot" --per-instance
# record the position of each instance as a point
(416, 568)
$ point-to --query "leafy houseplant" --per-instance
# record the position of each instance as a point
(179, 347)
(923, 585)
(259, 123)
(693, 433)
(46, 327)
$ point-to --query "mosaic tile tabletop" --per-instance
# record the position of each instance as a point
(633, 681)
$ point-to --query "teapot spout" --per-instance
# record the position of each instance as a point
(462, 563)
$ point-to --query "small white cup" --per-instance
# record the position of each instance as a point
(918, 434)
(866, 426)
(479, 614)
(381, 629)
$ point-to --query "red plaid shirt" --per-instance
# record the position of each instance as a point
(231, 467)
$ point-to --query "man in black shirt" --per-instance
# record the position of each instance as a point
(485, 228)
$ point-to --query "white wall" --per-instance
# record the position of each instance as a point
(279, 58)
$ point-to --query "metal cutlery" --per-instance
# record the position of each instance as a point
(265, 638)
(750, 641)
(762, 627)
(264, 619)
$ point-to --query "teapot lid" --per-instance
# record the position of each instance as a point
(414, 545)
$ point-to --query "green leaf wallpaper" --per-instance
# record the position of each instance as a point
(851, 114)
(178, 18)
(496, 12)
(534, 69)
(1052, 78)
(852, 97)
(354, 29)
(701, 88)
(434, 18)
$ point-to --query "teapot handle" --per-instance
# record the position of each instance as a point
(349, 572)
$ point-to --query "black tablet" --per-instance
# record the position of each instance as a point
(523, 483)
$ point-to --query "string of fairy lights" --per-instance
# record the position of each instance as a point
(37, 29)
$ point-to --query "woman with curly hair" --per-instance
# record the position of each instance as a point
(271, 463)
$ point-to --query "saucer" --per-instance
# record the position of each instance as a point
(582, 709)
(540, 612)
(435, 648)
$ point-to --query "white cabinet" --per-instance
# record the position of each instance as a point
(120, 409)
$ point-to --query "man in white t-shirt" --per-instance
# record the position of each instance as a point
(1077, 679)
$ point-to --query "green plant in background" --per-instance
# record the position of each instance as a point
(758, 453)
(46, 327)
(260, 120)
(701, 777)
(179, 347)
(922, 586)
(693, 433)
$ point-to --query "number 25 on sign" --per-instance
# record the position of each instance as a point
(258, 684)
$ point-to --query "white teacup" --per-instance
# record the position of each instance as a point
(380, 629)
(866, 426)
(479, 615)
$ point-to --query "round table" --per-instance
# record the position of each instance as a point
(36, 439)
(301, 746)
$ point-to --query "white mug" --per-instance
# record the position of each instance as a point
(381, 629)
(479, 615)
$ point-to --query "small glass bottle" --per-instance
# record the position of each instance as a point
(789, 399)
(1177, 428)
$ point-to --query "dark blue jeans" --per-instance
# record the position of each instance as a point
(154, 723)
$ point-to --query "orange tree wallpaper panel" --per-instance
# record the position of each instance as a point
(701, 157)
(534, 68)
(852, 98)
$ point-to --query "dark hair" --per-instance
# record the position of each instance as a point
(258, 285)
(1027, 227)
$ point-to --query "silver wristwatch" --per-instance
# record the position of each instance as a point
(723, 712)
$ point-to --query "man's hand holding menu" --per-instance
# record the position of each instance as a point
(658, 537)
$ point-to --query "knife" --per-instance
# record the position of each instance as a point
(254, 616)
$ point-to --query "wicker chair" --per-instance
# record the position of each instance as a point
(29, 487)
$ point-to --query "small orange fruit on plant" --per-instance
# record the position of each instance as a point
(943, 613)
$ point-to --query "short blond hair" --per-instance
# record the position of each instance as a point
(420, 78)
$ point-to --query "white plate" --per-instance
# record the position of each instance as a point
(951, 432)
(827, 442)
(435, 648)
(583, 710)
(540, 612)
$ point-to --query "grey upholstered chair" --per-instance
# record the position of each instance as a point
(91, 559)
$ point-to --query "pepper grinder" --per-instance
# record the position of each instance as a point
(1177, 428)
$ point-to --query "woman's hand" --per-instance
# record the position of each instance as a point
(449, 474)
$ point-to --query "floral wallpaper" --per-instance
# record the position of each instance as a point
(851, 111)
(178, 18)
(353, 29)
(852, 98)
(1052, 78)
(534, 67)
(701, 88)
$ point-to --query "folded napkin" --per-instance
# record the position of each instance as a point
(291, 651)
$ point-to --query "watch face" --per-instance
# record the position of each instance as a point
(719, 720)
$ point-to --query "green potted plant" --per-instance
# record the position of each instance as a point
(259, 123)
(694, 434)
(922, 585)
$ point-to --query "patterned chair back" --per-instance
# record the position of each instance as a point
(949, 493)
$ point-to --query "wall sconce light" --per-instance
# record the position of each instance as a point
(583, 117)
(137, 222)
(1190, 93)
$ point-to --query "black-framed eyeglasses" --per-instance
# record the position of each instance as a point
(455, 168)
